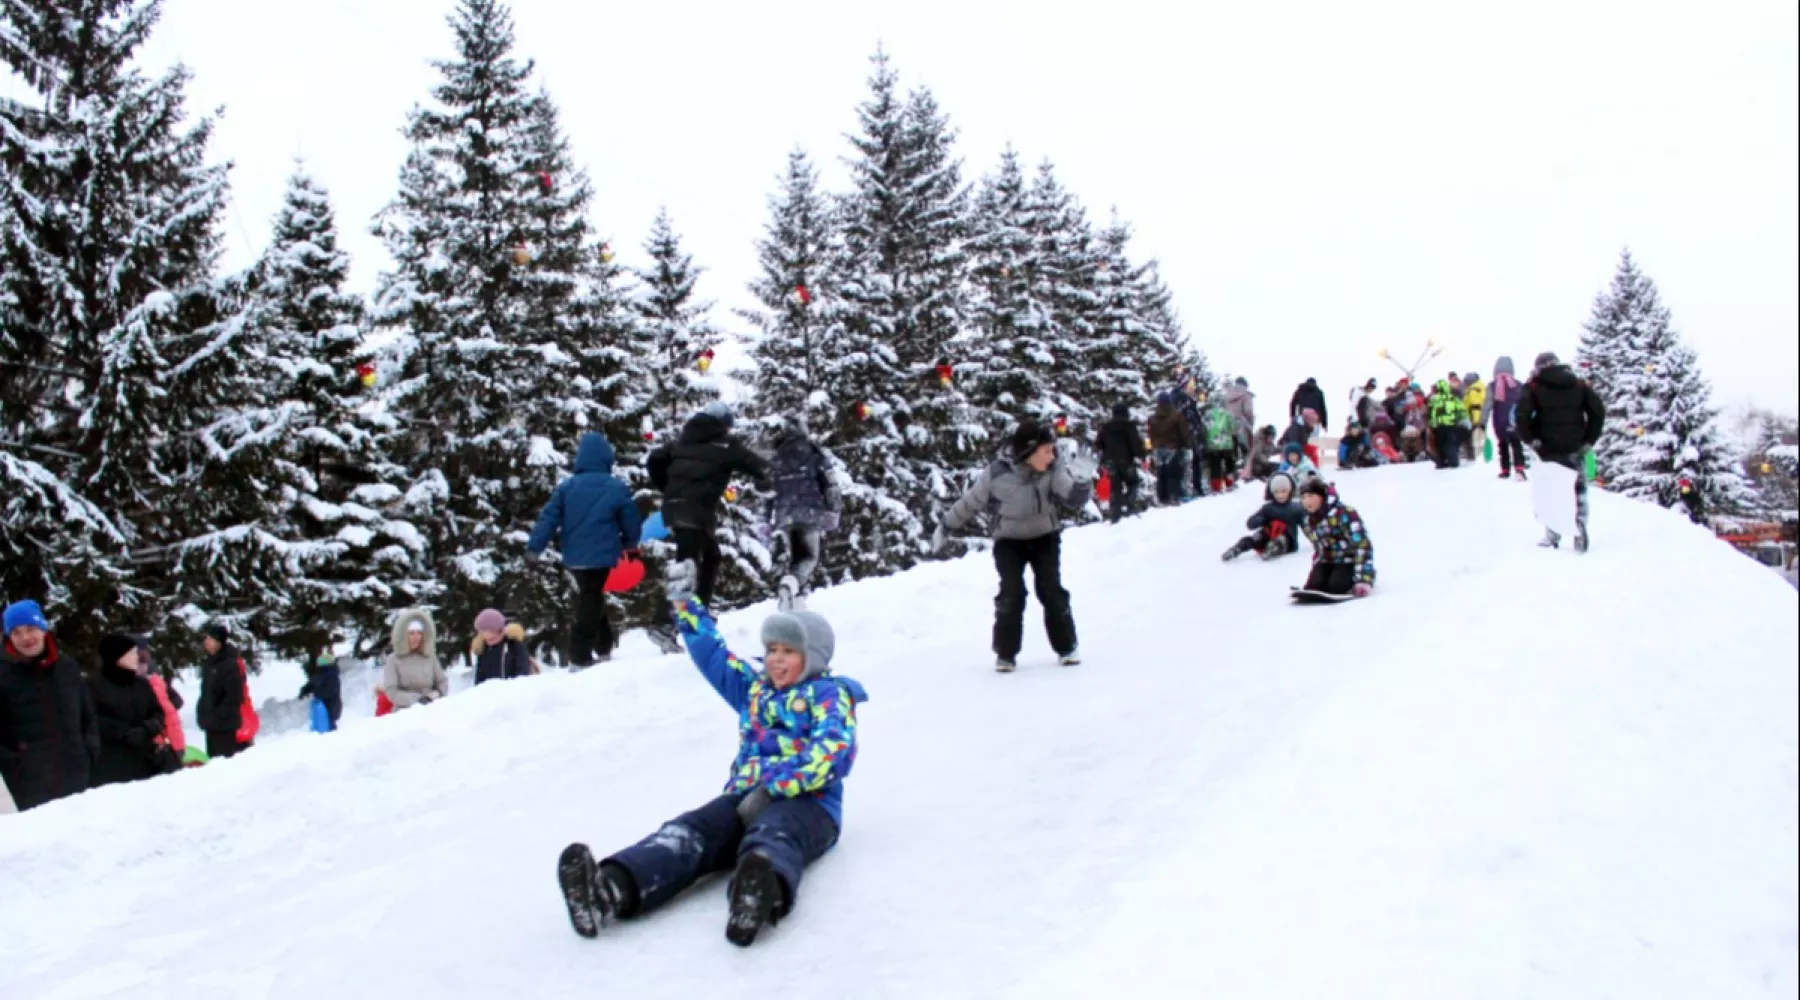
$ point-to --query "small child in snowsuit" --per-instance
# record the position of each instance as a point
(1275, 527)
(499, 649)
(1343, 557)
(1265, 454)
(1355, 451)
(1218, 445)
(1297, 466)
(325, 684)
(783, 805)
(805, 506)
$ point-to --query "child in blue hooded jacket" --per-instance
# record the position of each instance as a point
(783, 805)
(594, 512)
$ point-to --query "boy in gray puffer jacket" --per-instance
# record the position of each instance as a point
(1022, 492)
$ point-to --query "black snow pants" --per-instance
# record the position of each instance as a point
(703, 548)
(1044, 555)
(1333, 578)
(592, 636)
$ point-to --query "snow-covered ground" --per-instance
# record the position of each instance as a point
(1515, 773)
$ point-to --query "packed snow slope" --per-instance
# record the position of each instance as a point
(1513, 773)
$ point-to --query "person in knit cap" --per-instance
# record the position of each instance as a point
(1022, 492)
(130, 718)
(49, 735)
(499, 649)
(1498, 407)
(1343, 556)
(224, 711)
(1275, 527)
(782, 807)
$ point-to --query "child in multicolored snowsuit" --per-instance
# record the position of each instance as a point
(1447, 416)
(782, 808)
(1343, 557)
(805, 506)
(1275, 527)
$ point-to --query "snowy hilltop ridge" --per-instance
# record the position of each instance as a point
(1513, 773)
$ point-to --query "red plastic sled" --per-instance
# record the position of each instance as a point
(1103, 489)
(626, 575)
(382, 705)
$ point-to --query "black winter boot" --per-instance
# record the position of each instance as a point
(756, 899)
(1236, 550)
(596, 894)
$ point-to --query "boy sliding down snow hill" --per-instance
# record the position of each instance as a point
(783, 806)
(1343, 557)
(1275, 527)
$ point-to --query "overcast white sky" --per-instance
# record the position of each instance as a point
(1318, 178)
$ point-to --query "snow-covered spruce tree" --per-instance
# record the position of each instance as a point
(1009, 361)
(907, 440)
(1671, 436)
(1773, 465)
(496, 360)
(351, 559)
(1069, 266)
(792, 350)
(92, 323)
(1627, 313)
(1166, 347)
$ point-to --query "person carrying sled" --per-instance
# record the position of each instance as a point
(1171, 440)
(412, 674)
(782, 807)
(1343, 556)
(1120, 445)
(1499, 406)
(692, 474)
(498, 649)
(129, 716)
(1275, 527)
(1022, 492)
(805, 506)
(599, 522)
(324, 683)
(49, 734)
(1562, 417)
(224, 713)
(1447, 415)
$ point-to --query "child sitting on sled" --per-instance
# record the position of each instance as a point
(1343, 558)
(1275, 527)
(783, 806)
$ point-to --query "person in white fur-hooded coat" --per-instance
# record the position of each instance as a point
(412, 674)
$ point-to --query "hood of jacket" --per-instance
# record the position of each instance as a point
(1558, 377)
(704, 428)
(595, 454)
(403, 621)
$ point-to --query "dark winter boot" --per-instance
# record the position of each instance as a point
(1236, 550)
(1505, 473)
(1276, 547)
(664, 638)
(595, 894)
(756, 897)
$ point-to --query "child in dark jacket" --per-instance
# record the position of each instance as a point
(1275, 527)
(499, 649)
(1343, 557)
(783, 805)
(324, 683)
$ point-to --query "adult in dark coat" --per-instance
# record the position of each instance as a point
(692, 474)
(1121, 447)
(599, 522)
(49, 737)
(1309, 397)
(130, 717)
(1562, 417)
(220, 712)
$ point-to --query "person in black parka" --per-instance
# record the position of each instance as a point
(130, 717)
(1120, 444)
(1309, 397)
(220, 712)
(692, 474)
(49, 736)
(1562, 417)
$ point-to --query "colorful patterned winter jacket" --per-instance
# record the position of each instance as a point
(1338, 537)
(801, 741)
(1446, 409)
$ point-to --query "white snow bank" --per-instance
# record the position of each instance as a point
(1515, 773)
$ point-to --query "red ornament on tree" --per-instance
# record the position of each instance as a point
(706, 360)
(547, 181)
(944, 373)
(802, 296)
(862, 411)
(606, 254)
(366, 373)
(1062, 424)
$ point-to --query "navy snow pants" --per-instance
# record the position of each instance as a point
(791, 833)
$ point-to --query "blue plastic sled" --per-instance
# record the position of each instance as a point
(654, 529)
(321, 717)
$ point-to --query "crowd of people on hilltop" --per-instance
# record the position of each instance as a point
(782, 807)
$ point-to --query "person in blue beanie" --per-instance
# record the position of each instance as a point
(49, 732)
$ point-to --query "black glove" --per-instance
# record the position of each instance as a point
(753, 803)
(425, 699)
(137, 737)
